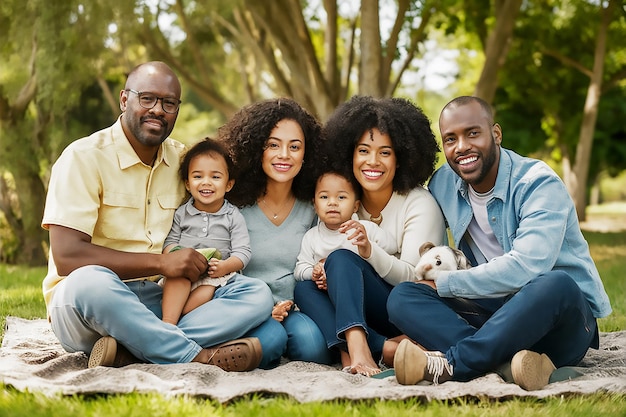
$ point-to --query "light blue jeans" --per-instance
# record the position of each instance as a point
(92, 302)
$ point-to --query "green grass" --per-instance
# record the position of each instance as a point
(21, 296)
(609, 252)
(26, 404)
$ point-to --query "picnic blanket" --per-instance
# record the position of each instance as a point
(31, 359)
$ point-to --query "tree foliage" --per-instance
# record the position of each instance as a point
(62, 66)
(52, 54)
(318, 55)
(544, 91)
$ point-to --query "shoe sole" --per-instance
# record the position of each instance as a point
(409, 363)
(239, 355)
(103, 352)
(531, 370)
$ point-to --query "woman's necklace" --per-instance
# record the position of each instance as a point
(276, 213)
(373, 204)
(377, 219)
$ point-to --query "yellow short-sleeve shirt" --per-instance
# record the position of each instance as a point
(100, 187)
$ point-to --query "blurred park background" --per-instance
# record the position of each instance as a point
(554, 70)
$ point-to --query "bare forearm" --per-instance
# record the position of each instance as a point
(125, 264)
(72, 249)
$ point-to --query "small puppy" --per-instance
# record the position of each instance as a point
(438, 258)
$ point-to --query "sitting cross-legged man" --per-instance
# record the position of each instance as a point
(531, 302)
(109, 207)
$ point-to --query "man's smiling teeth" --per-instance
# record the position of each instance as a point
(467, 160)
(372, 173)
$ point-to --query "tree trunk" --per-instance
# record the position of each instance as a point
(31, 236)
(578, 189)
(371, 51)
(19, 157)
(111, 100)
(566, 164)
(332, 74)
(305, 75)
(21, 161)
(497, 46)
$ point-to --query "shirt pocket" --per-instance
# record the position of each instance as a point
(162, 214)
(121, 216)
(170, 201)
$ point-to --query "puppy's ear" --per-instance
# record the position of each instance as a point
(426, 246)
(461, 260)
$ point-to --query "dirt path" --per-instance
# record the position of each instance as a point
(604, 223)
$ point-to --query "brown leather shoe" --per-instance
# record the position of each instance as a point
(238, 355)
(107, 352)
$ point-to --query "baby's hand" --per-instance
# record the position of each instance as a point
(318, 271)
(319, 275)
(214, 270)
(281, 310)
(357, 234)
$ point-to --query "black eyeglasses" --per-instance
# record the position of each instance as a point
(149, 100)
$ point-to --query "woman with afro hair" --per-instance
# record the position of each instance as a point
(274, 145)
(392, 150)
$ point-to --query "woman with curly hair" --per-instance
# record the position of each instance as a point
(268, 141)
(392, 151)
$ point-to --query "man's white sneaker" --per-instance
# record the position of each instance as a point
(412, 365)
(531, 370)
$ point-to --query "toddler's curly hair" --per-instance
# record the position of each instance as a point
(206, 146)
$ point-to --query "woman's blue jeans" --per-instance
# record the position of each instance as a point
(356, 297)
(298, 338)
(548, 315)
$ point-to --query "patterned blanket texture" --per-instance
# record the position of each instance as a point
(31, 359)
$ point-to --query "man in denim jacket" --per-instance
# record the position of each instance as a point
(532, 298)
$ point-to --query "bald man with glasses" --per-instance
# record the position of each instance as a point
(110, 205)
